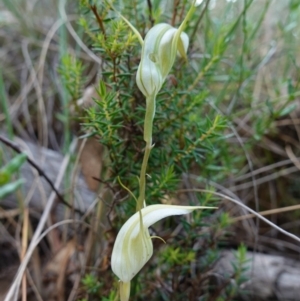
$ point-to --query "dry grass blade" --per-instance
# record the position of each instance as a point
(9, 213)
(292, 156)
(24, 248)
(263, 169)
(268, 212)
(256, 214)
(265, 179)
(42, 116)
(58, 267)
(75, 35)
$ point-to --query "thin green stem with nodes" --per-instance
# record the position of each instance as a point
(148, 125)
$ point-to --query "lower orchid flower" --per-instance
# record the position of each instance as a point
(133, 246)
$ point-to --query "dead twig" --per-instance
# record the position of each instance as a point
(99, 19)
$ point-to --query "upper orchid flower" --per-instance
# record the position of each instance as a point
(160, 47)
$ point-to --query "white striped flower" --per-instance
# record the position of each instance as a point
(160, 47)
(133, 246)
(161, 44)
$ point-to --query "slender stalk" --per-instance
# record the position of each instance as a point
(141, 198)
(148, 125)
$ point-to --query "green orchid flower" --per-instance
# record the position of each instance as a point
(158, 55)
(159, 49)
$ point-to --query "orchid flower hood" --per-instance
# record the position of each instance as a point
(160, 47)
(133, 246)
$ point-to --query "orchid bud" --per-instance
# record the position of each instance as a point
(160, 47)
(149, 78)
(133, 246)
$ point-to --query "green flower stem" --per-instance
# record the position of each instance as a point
(124, 290)
(187, 17)
(141, 198)
(148, 125)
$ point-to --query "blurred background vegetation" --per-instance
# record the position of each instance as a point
(227, 120)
